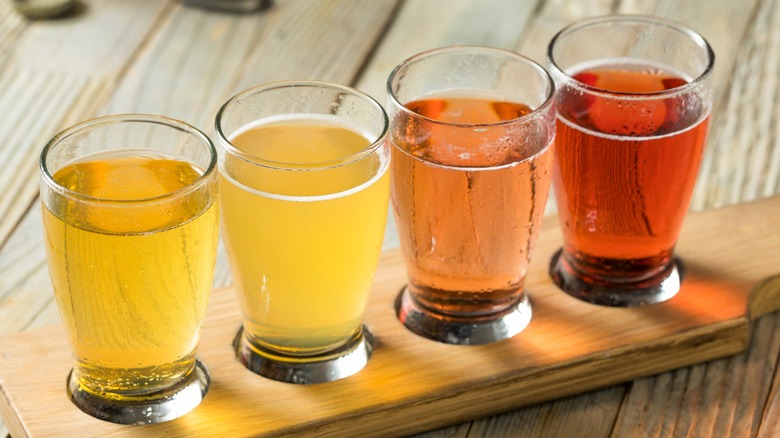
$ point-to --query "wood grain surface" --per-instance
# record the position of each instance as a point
(569, 347)
(161, 57)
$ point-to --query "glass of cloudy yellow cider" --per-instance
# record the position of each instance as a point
(304, 187)
(130, 218)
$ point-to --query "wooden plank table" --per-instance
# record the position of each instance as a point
(162, 57)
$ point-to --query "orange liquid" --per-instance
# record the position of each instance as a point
(624, 172)
(468, 202)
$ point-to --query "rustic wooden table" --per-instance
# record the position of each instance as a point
(158, 56)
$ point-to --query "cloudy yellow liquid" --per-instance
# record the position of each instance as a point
(131, 282)
(303, 243)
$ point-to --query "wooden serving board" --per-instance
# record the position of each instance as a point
(411, 384)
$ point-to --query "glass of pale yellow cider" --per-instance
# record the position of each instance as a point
(304, 186)
(130, 218)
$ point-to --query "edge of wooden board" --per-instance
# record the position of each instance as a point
(765, 297)
(413, 384)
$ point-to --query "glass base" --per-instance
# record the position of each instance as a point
(462, 331)
(656, 289)
(343, 362)
(157, 407)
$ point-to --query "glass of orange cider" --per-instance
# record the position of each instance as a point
(635, 98)
(131, 219)
(471, 130)
(304, 195)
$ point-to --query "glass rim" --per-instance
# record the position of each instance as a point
(533, 115)
(694, 36)
(374, 145)
(113, 119)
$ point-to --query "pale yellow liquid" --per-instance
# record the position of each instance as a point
(131, 282)
(303, 244)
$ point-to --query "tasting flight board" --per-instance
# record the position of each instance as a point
(410, 384)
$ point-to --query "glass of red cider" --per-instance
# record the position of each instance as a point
(471, 130)
(634, 102)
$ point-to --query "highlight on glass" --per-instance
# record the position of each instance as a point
(471, 134)
(304, 196)
(634, 102)
(131, 219)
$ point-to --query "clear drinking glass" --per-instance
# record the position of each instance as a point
(634, 100)
(471, 129)
(304, 195)
(131, 221)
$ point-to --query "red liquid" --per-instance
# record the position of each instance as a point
(625, 171)
(468, 202)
